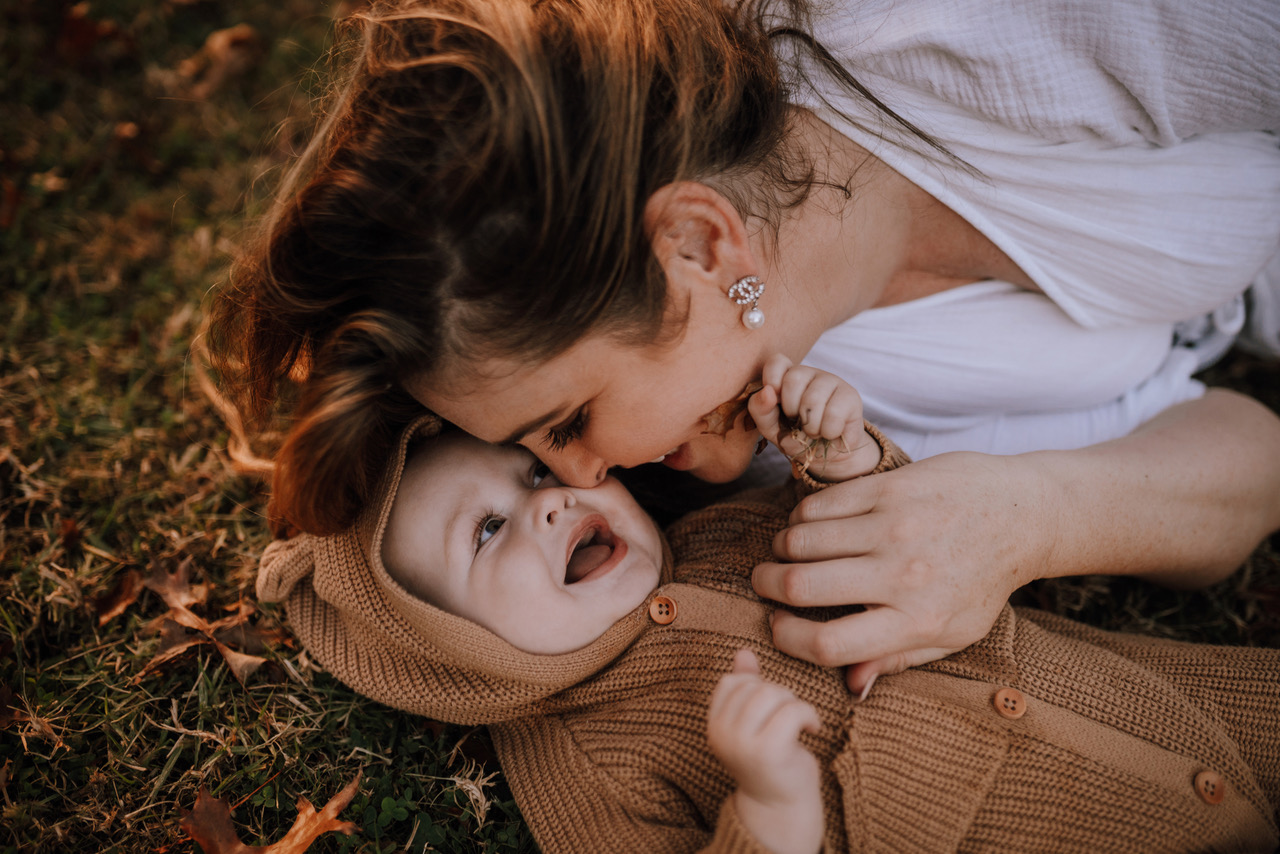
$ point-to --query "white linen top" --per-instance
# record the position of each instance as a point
(1120, 163)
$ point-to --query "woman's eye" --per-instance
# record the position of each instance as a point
(489, 526)
(540, 471)
(558, 438)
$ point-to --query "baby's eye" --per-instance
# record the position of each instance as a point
(488, 526)
(538, 472)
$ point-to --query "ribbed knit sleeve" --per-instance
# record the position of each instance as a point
(573, 805)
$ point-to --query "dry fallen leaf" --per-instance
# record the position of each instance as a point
(8, 711)
(226, 54)
(175, 588)
(209, 824)
(177, 591)
(242, 665)
(81, 36)
(10, 198)
(115, 603)
(719, 421)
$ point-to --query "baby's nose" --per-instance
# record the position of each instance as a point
(550, 501)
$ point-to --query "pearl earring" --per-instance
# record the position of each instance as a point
(749, 289)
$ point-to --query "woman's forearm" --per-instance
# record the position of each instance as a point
(1182, 500)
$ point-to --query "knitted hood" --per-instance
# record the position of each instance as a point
(382, 641)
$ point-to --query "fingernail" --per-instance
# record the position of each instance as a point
(866, 689)
(772, 615)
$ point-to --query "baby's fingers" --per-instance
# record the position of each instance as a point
(763, 409)
(789, 720)
(745, 661)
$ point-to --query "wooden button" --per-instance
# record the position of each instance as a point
(1211, 787)
(663, 610)
(1010, 703)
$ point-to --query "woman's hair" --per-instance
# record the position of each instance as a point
(476, 189)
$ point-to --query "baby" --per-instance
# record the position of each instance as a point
(488, 533)
(636, 702)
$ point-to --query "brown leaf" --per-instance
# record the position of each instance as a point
(69, 531)
(175, 588)
(226, 54)
(174, 641)
(9, 712)
(251, 639)
(173, 633)
(242, 666)
(80, 34)
(115, 603)
(10, 198)
(209, 824)
(719, 421)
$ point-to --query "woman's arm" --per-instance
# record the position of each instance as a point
(940, 544)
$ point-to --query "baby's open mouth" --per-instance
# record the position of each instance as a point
(594, 547)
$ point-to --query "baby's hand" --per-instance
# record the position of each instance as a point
(815, 419)
(753, 727)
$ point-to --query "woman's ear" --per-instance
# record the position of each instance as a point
(696, 235)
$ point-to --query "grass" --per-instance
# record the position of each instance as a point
(121, 197)
(122, 193)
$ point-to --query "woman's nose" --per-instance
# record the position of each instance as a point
(575, 466)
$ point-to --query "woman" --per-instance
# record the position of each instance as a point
(549, 222)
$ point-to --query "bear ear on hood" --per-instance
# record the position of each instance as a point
(291, 558)
(283, 565)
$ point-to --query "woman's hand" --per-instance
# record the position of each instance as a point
(753, 727)
(935, 548)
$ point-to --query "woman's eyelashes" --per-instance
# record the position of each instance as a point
(559, 437)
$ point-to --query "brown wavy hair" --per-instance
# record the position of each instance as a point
(476, 187)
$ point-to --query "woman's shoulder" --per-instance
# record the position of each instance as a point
(1153, 72)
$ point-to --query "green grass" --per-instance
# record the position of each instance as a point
(120, 199)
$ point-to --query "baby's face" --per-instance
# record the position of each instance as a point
(486, 533)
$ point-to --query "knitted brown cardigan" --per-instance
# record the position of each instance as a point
(1107, 742)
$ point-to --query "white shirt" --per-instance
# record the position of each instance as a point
(1095, 127)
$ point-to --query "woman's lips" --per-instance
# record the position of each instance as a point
(681, 459)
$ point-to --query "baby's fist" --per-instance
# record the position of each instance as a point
(753, 727)
(815, 419)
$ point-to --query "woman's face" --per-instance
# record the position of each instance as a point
(603, 403)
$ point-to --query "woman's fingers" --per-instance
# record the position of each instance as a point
(828, 539)
(840, 501)
(873, 634)
(860, 677)
(933, 550)
(810, 585)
